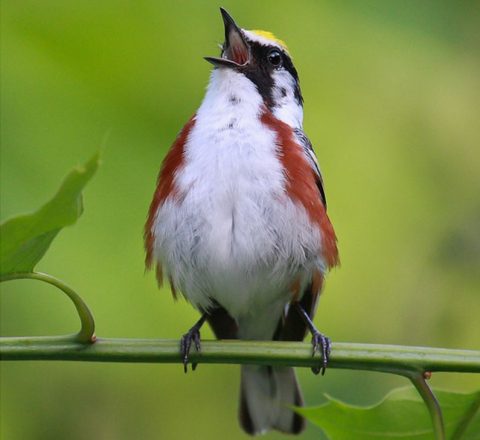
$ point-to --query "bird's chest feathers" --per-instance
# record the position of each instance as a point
(231, 178)
(231, 157)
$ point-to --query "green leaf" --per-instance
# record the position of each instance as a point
(401, 414)
(26, 238)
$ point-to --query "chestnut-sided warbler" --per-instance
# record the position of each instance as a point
(238, 220)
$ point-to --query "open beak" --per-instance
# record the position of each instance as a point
(236, 52)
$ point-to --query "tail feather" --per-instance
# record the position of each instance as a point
(266, 397)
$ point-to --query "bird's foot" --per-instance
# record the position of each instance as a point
(192, 336)
(320, 344)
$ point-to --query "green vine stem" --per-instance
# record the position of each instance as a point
(418, 380)
(385, 358)
(87, 330)
(410, 362)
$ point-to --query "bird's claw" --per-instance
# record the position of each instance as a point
(193, 335)
(321, 344)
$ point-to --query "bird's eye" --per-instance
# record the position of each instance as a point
(274, 58)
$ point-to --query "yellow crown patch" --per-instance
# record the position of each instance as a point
(271, 37)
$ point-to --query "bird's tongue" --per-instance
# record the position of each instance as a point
(237, 51)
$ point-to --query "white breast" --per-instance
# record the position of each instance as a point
(235, 237)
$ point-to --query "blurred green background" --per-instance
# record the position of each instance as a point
(392, 105)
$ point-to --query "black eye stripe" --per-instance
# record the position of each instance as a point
(260, 71)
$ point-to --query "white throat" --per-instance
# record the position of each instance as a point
(231, 93)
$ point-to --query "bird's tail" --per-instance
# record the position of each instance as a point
(267, 395)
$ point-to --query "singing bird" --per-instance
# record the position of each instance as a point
(238, 221)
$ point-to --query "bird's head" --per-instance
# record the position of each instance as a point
(264, 60)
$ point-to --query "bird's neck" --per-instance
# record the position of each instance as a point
(231, 94)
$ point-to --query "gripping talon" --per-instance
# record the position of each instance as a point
(193, 335)
(186, 344)
(320, 343)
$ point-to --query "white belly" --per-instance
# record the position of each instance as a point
(236, 237)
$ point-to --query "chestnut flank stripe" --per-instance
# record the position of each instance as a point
(302, 183)
(165, 188)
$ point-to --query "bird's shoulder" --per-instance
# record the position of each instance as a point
(312, 160)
